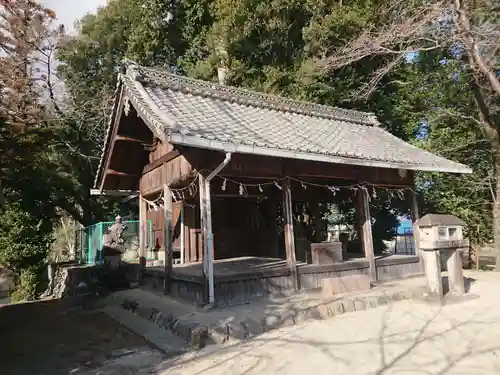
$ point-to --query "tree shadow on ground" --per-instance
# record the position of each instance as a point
(437, 340)
(55, 338)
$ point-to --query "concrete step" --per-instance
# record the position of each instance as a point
(162, 339)
(166, 313)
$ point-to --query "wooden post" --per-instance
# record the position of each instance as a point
(209, 246)
(288, 232)
(142, 233)
(204, 236)
(415, 215)
(363, 208)
(167, 237)
(182, 235)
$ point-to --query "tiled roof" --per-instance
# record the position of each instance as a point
(204, 114)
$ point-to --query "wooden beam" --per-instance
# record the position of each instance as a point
(254, 166)
(125, 138)
(365, 222)
(246, 196)
(160, 161)
(130, 198)
(289, 234)
(114, 193)
(167, 237)
(116, 125)
(118, 173)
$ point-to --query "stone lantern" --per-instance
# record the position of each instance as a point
(441, 240)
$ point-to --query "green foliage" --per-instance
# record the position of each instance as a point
(273, 46)
(25, 239)
(27, 287)
(440, 115)
(267, 45)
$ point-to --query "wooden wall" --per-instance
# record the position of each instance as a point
(398, 267)
(167, 166)
(244, 227)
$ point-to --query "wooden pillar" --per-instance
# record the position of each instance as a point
(143, 229)
(182, 234)
(365, 223)
(415, 215)
(167, 237)
(209, 245)
(273, 217)
(288, 232)
(204, 237)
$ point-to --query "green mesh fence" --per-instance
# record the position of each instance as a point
(89, 240)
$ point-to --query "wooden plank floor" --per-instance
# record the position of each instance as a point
(235, 266)
(232, 266)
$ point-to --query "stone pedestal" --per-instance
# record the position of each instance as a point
(455, 271)
(440, 240)
(432, 264)
(326, 252)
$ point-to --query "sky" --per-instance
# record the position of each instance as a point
(69, 11)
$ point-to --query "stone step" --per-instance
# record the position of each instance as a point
(199, 327)
(162, 339)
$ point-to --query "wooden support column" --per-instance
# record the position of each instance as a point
(288, 232)
(365, 222)
(210, 247)
(415, 216)
(142, 232)
(204, 237)
(167, 237)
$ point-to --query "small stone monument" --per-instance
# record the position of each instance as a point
(441, 236)
(326, 252)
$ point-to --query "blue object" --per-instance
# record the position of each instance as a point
(405, 227)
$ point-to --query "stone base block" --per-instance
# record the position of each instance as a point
(345, 284)
(326, 252)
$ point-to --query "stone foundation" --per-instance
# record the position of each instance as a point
(338, 285)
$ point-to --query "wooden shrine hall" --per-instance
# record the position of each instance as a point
(238, 183)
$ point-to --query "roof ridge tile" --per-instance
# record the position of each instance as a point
(244, 96)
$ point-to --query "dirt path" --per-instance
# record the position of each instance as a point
(42, 339)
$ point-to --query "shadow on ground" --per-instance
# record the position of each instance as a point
(402, 338)
(49, 338)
